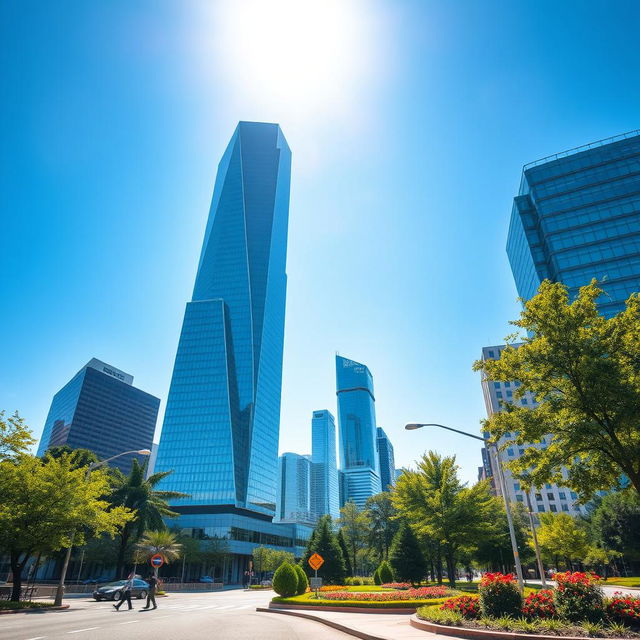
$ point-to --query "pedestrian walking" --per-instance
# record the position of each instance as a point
(125, 593)
(151, 594)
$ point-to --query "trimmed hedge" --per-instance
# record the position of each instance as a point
(303, 583)
(285, 580)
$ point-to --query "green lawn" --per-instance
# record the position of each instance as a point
(633, 581)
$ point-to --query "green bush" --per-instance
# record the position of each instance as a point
(303, 583)
(578, 597)
(384, 572)
(376, 577)
(285, 580)
(499, 596)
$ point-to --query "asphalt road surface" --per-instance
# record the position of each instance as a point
(222, 615)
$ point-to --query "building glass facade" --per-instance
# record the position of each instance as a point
(294, 489)
(358, 437)
(577, 217)
(99, 409)
(325, 494)
(387, 461)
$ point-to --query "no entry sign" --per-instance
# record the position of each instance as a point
(157, 560)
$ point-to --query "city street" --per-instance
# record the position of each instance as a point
(229, 615)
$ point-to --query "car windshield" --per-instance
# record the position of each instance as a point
(139, 583)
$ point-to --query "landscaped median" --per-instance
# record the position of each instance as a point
(7, 606)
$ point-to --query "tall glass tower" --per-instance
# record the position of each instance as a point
(220, 432)
(387, 460)
(357, 420)
(325, 487)
(577, 217)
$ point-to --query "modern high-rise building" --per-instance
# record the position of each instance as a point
(357, 422)
(100, 409)
(553, 497)
(386, 460)
(577, 217)
(325, 492)
(294, 489)
(221, 426)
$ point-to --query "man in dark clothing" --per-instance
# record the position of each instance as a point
(125, 594)
(151, 594)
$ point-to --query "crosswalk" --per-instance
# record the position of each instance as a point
(192, 608)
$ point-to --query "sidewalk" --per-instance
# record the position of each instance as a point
(371, 626)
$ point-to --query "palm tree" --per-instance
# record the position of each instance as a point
(150, 506)
(162, 543)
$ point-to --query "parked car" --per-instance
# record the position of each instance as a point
(112, 590)
(207, 579)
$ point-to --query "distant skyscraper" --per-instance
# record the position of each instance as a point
(221, 427)
(553, 497)
(357, 420)
(577, 217)
(387, 462)
(325, 488)
(294, 489)
(100, 409)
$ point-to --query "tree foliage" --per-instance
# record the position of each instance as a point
(268, 559)
(345, 553)
(382, 524)
(303, 582)
(354, 526)
(324, 542)
(584, 371)
(163, 542)
(45, 504)
(406, 558)
(79, 457)
(560, 537)
(15, 436)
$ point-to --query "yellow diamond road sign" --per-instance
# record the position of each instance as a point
(316, 561)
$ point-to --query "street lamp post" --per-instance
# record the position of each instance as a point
(512, 533)
(535, 540)
(67, 557)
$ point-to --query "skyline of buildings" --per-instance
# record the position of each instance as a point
(99, 409)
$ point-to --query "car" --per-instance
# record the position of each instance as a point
(113, 590)
(207, 579)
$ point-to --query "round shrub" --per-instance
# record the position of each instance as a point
(384, 572)
(285, 580)
(303, 583)
(376, 577)
(499, 596)
(578, 596)
(539, 605)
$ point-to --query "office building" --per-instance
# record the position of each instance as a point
(577, 217)
(357, 423)
(552, 497)
(294, 489)
(100, 409)
(222, 422)
(386, 460)
(325, 492)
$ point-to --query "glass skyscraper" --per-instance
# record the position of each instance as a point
(221, 426)
(325, 494)
(387, 460)
(357, 420)
(577, 217)
(294, 489)
(99, 409)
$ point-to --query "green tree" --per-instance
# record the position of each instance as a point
(285, 580)
(354, 527)
(45, 507)
(80, 457)
(213, 552)
(325, 543)
(162, 542)
(384, 572)
(15, 436)
(376, 577)
(406, 558)
(433, 501)
(303, 582)
(345, 552)
(584, 371)
(559, 536)
(382, 524)
(150, 506)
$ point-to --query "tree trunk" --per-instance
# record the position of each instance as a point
(353, 566)
(16, 570)
(124, 540)
(438, 566)
(451, 568)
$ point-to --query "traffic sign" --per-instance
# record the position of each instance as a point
(157, 560)
(315, 583)
(316, 561)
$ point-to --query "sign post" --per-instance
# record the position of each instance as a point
(156, 562)
(315, 562)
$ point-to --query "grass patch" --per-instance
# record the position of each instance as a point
(310, 599)
(632, 581)
(16, 606)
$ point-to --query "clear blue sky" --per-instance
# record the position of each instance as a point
(409, 123)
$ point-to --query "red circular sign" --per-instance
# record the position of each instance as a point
(157, 560)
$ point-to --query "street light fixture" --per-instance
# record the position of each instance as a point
(65, 564)
(512, 534)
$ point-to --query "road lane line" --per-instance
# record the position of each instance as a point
(37, 638)
(129, 622)
(80, 630)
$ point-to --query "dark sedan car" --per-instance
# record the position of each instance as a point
(112, 590)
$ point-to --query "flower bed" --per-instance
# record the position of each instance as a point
(624, 608)
(349, 600)
(421, 593)
(397, 585)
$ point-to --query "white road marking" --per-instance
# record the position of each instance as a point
(129, 622)
(37, 638)
(80, 630)
(231, 606)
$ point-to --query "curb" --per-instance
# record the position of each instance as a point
(328, 623)
(34, 609)
(317, 607)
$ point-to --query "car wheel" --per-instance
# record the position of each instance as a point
(142, 595)
(115, 595)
